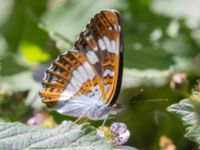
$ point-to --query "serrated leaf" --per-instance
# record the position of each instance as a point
(193, 134)
(185, 109)
(68, 136)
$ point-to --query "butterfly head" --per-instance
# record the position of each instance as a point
(115, 109)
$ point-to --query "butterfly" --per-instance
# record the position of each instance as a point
(86, 81)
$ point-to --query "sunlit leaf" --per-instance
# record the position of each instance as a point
(33, 53)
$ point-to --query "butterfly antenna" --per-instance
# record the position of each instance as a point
(104, 121)
(135, 94)
(148, 100)
(152, 100)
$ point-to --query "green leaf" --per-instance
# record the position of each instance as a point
(69, 136)
(10, 65)
(18, 21)
(155, 42)
(186, 110)
(61, 42)
(22, 81)
(135, 77)
(69, 19)
(193, 134)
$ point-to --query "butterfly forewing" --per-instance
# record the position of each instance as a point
(101, 43)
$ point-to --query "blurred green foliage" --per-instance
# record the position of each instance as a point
(157, 46)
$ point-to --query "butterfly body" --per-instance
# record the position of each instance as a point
(85, 81)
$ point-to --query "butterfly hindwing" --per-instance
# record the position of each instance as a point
(70, 75)
(101, 43)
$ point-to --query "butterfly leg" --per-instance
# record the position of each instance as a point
(81, 118)
(104, 122)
